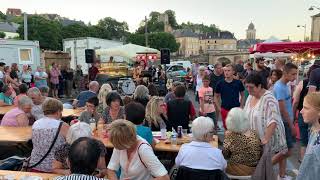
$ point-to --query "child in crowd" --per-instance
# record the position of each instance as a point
(91, 111)
(207, 107)
(44, 91)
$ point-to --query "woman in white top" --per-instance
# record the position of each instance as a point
(133, 155)
(200, 154)
(40, 77)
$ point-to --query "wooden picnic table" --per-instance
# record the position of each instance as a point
(23, 134)
(18, 174)
(65, 112)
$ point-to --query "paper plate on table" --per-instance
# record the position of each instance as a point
(31, 178)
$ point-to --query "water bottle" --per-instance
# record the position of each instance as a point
(92, 123)
(174, 139)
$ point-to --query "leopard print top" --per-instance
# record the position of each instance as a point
(242, 148)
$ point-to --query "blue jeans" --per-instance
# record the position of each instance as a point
(289, 138)
(304, 131)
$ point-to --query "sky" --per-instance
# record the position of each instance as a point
(277, 18)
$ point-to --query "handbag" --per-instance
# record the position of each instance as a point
(26, 162)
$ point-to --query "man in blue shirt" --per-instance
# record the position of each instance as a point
(85, 95)
(282, 93)
(227, 92)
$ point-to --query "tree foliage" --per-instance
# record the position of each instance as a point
(47, 32)
(112, 29)
(157, 40)
(172, 18)
(2, 34)
(202, 28)
(3, 17)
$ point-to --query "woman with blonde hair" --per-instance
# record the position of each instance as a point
(105, 89)
(133, 155)
(156, 117)
(241, 146)
(310, 167)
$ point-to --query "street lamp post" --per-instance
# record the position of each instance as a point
(305, 30)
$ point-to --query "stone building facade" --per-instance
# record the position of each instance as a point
(315, 28)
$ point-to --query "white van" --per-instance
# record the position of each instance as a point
(185, 64)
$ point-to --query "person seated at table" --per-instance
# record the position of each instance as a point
(135, 113)
(102, 96)
(75, 132)
(114, 110)
(44, 91)
(133, 155)
(156, 114)
(6, 96)
(179, 110)
(241, 147)
(46, 131)
(18, 115)
(141, 95)
(83, 158)
(37, 99)
(200, 154)
(23, 88)
(85, 95)
(91, 111)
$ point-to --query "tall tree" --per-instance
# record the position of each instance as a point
(3, 17)
(157, 40)
(75, 30)
(172, 18)
(47, 32)
(112, 29)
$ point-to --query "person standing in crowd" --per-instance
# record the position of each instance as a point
(156, 114)
(14, 74)
(161, 75)
(93, 70)
(247, 69)
(241, 146)
(26, 75)
(199, 153)
(141, 95)
(75, 132)
(85, 95)
(262, 71)
(44, 132)
(68, 81)
(180, 111)
(38, 100)
(314, 80)
(199, 78)
(279, 64)
(17, 117)
(216, 76)
(275, 75)
(195, 70)
(78, 78)
(133, 155)
(271, 65)
(310, 166)
(91, 111)
(6, 96)
(40, 77)
(282, 93)
(62, 81)
(114, 110)
(228, 92)
(207, 104)
(84, 157)
(239, 67)
(299, 94)
(135, 113)
(54, 79)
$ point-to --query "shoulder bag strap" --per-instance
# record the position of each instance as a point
(139, 153)
(51, 146)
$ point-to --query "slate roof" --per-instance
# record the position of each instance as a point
(218, 35)
(184, 33)
(7, 27)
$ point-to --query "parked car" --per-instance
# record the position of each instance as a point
(185, 64)
(176, 72)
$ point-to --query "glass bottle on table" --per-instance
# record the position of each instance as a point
(92, 123)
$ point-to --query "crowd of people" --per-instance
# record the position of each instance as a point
(258, 108)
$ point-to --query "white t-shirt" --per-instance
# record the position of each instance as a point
(200, 155)
(1, 75)
(136, 169)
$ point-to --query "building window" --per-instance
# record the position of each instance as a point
(215, 41)
(25, 56)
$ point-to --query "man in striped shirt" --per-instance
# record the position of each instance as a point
(83, 160)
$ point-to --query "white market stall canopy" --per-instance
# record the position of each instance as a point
(127, 51)
(274, 55)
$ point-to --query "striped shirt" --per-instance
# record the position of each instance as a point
(78, 176)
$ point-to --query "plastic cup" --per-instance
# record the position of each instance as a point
(163, 133)
(185, 132)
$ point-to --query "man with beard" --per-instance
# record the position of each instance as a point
(262, 71)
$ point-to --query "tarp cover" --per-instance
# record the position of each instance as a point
(287, 47)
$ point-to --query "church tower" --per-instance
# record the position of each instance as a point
(251, 32)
